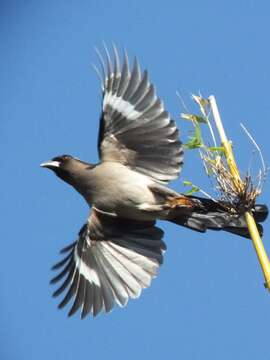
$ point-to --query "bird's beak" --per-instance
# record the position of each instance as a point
(50, 164)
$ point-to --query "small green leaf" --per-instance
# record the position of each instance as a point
(192, 144)
(216, 148)
(187, 116)
(201, 119)
(196, 118)
(193, 190)
(195, 140)
(193, 187)
(198, 133)
(187, 183)
(203, 104)
(201, 101)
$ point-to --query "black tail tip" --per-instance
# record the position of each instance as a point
(260, 212)
(243, 231)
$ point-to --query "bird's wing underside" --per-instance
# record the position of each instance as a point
(134, 128)
(112, 261)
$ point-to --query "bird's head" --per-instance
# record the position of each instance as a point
(59, 164)
(68, 168)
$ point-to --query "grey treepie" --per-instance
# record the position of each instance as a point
(119, 249)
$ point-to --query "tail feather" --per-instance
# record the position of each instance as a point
(260, 212)
(208, 214)
(243, 231)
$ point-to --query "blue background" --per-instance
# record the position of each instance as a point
(208, 301)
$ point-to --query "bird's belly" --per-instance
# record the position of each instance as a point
(123, 191)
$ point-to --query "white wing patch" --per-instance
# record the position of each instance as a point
(86, 271)
(121, 106)
(147, 138)
(113, 260)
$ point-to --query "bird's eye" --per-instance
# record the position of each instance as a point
(61, 158)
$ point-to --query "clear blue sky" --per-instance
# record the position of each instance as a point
(208, 301)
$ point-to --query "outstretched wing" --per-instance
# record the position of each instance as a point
(135, 129)
(112, 261)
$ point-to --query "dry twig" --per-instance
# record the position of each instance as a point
(237, 195)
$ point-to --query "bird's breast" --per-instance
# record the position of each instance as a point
(118, 189)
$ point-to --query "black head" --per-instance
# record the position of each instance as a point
(67, 167)
(72, 170)
(57, 163)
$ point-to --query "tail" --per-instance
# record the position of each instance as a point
(206, 214)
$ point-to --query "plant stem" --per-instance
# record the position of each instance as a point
(251, 224)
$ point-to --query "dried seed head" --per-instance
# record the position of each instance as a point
(237, 196)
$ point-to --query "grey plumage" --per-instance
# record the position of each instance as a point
(116, 258)
(131, 109)
(119, 250)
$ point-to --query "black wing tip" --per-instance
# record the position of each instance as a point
(83, 315)
(61, 305)
(61, 263)
(54, 280)
(55, 266)
(56, 293)
(72, 311)
(67, 248)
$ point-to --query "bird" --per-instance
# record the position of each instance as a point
(119, 249)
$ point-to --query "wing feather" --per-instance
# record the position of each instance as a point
(112, 261)
(131, 109)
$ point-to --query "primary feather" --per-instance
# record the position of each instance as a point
(135, 129)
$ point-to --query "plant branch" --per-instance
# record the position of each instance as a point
(251, 224)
